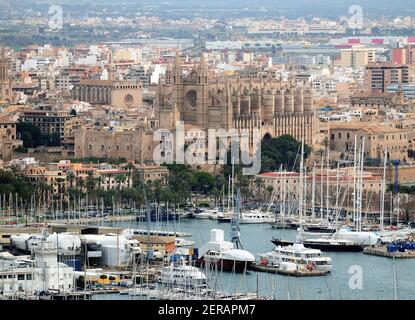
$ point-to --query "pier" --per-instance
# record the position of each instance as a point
(382, 252)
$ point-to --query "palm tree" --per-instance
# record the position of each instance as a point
(259, 184)
(71, 178)
(131, 171)
(270, 189)
(120, 178)
(80, 182)
(90, 182)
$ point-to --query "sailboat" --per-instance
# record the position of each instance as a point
(388, 236)
(226, 216)
(296, 252)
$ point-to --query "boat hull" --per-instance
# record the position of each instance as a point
(322, 247)
(225, 265)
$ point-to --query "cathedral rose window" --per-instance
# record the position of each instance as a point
(191, 100)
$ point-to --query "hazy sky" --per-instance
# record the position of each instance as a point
(300, 7)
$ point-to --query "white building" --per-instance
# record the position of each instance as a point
(44, 273)
(117, 250)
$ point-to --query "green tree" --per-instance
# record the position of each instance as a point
(30, 134)
(70, 177)
(120, 178)
(90, 182)
(27, 140)
(283, 150)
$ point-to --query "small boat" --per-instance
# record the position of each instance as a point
(319, 228)
(286, 224)
(213, 213)
(225, 216)
(181, 242)
(256, 217)
(202, 215)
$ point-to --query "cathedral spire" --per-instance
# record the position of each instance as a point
(3, 55)
(177, 61)
(202, 61)
(177, 69)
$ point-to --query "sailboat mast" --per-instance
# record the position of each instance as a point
(313, 193)
(300, 202)
(382, 201)
(328, 185)
(321, 186)
(229, 193)
(361, 183)
(233, 183)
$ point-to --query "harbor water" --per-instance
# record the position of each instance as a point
(354, 275)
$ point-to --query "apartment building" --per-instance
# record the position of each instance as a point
(381, 75)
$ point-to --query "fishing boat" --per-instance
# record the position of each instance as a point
(222, 254)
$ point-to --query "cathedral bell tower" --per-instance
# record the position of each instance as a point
(177, 83)
(202, 94)
(5, 83)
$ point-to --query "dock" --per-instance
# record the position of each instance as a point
(294, 273)
(143, 232)
(114, 218)
(383, 252)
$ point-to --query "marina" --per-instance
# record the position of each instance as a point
(377, 271)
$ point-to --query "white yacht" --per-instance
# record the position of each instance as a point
(213, 213)
(256, 216)
(182, 275)
(181, 242)
(299, 255)
(202, 215)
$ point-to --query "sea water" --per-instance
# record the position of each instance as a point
(354, 275)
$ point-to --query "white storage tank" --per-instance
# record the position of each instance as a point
(217, 235)
(288, 266)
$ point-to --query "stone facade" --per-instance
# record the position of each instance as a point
(134, 145)
(124, 94)
(377, 138)
(274, 106)
(8, 139)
